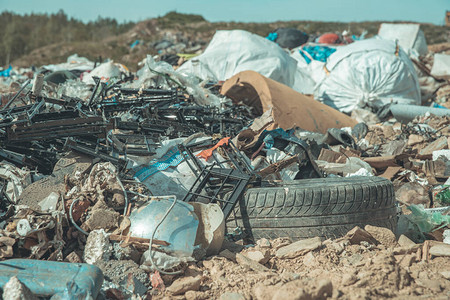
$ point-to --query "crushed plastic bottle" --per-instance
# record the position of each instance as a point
(441, 195)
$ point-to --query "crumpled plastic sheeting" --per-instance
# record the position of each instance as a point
(274, 155)
(17, 179)
(150, 75)
(74, 62)
(175, 180)
(234, 51)
(75, 89)
(104, 71)
(381, 77)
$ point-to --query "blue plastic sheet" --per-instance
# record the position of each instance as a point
(272, 36)
(6, 73)
(320, 53)
(135, 43)
(172, 158)
(47, 278)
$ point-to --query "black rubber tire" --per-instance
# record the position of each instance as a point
(324, 207)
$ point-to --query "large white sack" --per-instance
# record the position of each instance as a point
(307, 75)
(441, 66)
(231, 52)
(370, 73)
(409, 37)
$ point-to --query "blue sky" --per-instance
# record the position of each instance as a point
(427, 11)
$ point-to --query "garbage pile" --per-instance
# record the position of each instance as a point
(221, 179)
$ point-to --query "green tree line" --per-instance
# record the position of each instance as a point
(21, 34)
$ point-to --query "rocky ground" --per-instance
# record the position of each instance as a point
(365, 264)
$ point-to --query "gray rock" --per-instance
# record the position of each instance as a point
(98, 247)
(249, 263)
(16, 290)
(231, 296)
(299, 248)
(440, 249)
(184, 284)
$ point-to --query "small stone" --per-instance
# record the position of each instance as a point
(291, 290)
(349, 279)
(247, 262)
(231, 296)
(263, 292)
(358, 235)
(97, 247)
(263, 243)
(228, 255)
(324, 289)
(259, 256)
(193, 295)
(382, 235)
(405, 242)
(299, 248)
(184, 284)
(440, 249)
(73, 257)
(309, 260)
(16, 290)
(445, 274)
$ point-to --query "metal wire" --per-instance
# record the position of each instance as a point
(124, 195)
(71, 217)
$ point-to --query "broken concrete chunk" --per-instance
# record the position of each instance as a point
(97, 247)
(249, 263)
(299, 248)
(440, 249)
(263, 243)
(184, 284)
(357, 235)
(259, 256)
(16, 290)
(405, 242)
(382, 235)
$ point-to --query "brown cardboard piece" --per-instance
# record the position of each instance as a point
(290, 108)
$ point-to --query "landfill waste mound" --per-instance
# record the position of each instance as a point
(264, 173)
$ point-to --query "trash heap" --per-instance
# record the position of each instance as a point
(221, 180)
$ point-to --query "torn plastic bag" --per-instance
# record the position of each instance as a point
(17, 179)
(234, 51)
(105, 71)
(74, 62)
(162, 74)
(384, 74)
